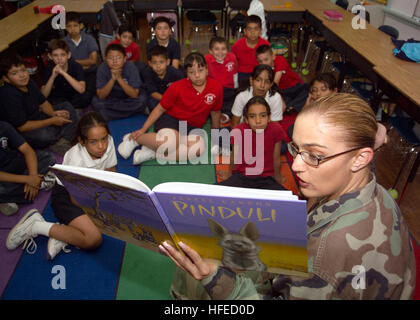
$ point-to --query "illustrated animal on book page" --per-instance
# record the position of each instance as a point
(239, 249)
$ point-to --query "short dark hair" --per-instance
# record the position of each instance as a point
(8, 62)
(194, 57)
(263, 49)
(55, 44)
(157, 51)
(256, 100)
(327, 78)
(253, 19)
(124, 28)
(73, 16)
(115, 47)
(215, 40)
(161, 19)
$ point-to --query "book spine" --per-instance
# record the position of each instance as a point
(165, 219)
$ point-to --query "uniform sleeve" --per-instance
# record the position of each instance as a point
(47, 74)
(112, 161)
(239, 104)
(102, 76)
(79, 75)
(170, 96)
(148, 80)
(176, 54)
(276, 105)
(133, 76)
(278, 132)
(91, 45)
(15, 140)
(13, 110)
(135, 51)
(219, 99)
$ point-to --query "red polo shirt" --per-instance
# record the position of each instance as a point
(247, 60)
(182, 101)
(289, 78)
(263, 154)
(223, 72)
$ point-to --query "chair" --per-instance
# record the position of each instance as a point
(200, 18)
(234, 5)
(145, 6)
(207, 5)
(342, 3)
(389, 30)
(401, 150)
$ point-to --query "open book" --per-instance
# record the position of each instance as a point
(246, 229)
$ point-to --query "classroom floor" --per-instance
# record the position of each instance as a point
(386, 167)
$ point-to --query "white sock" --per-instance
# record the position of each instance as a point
(42, 228)
(127, 146)
(144, 154)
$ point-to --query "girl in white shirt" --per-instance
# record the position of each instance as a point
(261, 83)
(93, 148)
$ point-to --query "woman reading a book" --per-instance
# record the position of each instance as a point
(358, 243)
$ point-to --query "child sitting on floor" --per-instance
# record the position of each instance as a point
(191, 100)
(244, 49)
(125, 38)
(118, 86)
(159, 75)
(25, 107)
(223, 67)
(163, 31)
(291, 87)
(261, 83)
(265, 141)
(94, 148)
(22, 170)
(64, 79)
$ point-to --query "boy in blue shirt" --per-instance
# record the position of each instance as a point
(25, 107)
(64, 79)
(84, 49)
(22, 170)
(159, 75)
(118, 86)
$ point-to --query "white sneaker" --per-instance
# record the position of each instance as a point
(54, 247)
(22, 232)
(144, 154)
(8, 208)
(127, 146)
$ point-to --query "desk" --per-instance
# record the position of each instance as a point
(370, 50)
(25, 20)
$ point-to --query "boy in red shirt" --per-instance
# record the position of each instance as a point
(291, 87)
(192, 100)
(244, 49)
(223, 67)
(125, 38)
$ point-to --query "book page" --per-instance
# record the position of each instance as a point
(222, 191)
(119, 179)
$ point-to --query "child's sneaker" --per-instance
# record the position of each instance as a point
(8, 208)
(22, 231)
(144, 154)
(127, 146)
(54, 247)
(49, 181)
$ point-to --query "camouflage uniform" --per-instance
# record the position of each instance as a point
(364, 228)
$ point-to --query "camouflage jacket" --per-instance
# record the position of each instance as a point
(358, 248)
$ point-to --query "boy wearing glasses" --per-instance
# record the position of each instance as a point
(118, 86)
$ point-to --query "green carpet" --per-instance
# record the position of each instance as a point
(146, 274)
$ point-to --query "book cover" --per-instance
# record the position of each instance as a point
(333, 15)
(245, 229)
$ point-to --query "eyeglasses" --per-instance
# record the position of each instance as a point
(310, 158)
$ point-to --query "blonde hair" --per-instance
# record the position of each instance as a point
(351, 115)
